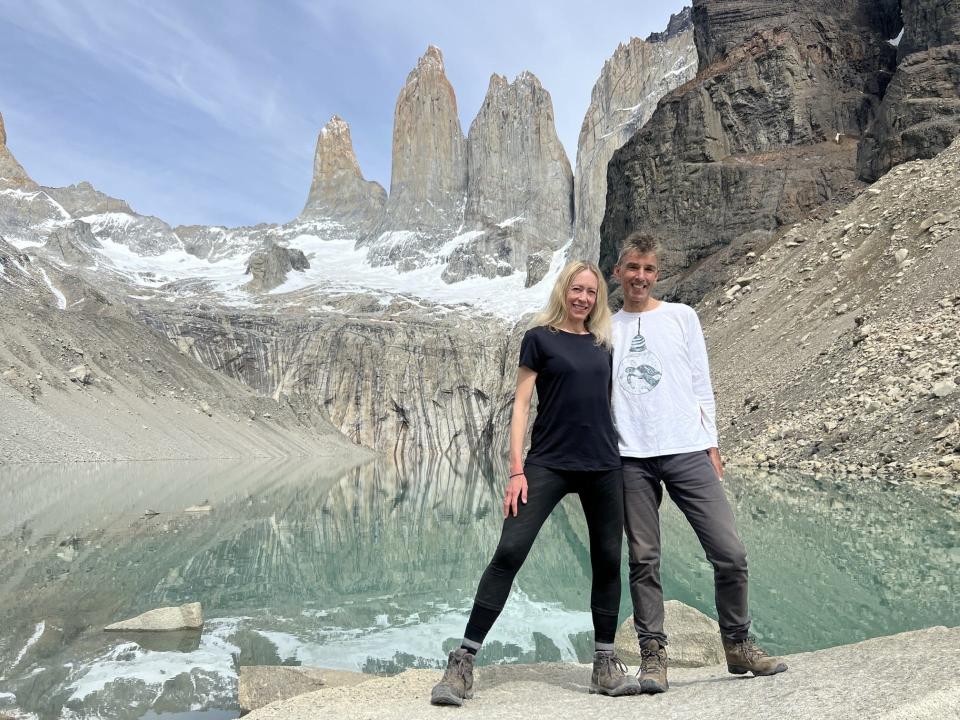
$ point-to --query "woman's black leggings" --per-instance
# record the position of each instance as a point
(601, 495)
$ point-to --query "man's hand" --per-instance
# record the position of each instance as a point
(714, 454)
(516, 489)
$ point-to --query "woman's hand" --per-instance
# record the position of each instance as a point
(516, 489)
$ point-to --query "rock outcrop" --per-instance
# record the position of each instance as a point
(428, 179)
(846, 682)
(920, 113)
(270, 265)
(748, 144)
(928, 24)
(12, 174)
(338, 191)
(72, 242)
(260, 685)
(519, 187)
(624, 97)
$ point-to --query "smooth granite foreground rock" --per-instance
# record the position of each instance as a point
(907, 676)
(261, 685)
(693, 638)
(185, 617)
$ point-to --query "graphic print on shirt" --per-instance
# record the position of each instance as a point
(640, 370)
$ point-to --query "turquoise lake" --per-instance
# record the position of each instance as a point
(376, 571)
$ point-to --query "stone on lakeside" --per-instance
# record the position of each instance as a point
(261, 685)
(185, 617)
(693, 639)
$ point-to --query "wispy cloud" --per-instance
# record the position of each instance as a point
(207, 110)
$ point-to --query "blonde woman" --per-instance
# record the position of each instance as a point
(566, 356)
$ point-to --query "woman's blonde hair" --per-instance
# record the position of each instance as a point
(597, 322)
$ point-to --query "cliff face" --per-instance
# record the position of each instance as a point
(429, 172)
(339, 191)
(748, 144)
(920, 113)
(520, 185)
(396, 382)
(623, 99)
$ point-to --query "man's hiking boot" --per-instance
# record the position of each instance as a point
(653, 667)
(457, 683)
(610, 676)
(745, 656)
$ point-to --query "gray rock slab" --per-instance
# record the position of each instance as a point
(185, 617)
(693, 638)
(261, 685)
(907, 676)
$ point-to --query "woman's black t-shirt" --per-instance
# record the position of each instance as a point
(574, 425)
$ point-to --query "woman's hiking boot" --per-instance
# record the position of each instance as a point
(653, 667)
(457, 683)
(610, 676)
(745, 656)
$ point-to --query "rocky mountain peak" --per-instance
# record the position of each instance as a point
(84, 199)
(517, 171)
(679, 23)
(339, 190)
(429, 170)
(3, 131)
(430, 61)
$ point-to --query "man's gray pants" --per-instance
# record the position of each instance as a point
(694, 487)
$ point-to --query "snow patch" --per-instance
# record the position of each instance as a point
(37, 633)
(350, 649)
(61, 298)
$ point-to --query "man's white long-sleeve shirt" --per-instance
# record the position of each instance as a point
(662, 398)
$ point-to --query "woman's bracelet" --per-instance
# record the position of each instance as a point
(517, 475)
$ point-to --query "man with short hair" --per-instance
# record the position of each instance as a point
(664, 412)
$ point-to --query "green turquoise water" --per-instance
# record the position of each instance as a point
(376, 571)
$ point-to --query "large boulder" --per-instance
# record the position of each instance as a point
(693, 638)
(184, 617)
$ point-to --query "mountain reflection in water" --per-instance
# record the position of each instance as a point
(376, 571)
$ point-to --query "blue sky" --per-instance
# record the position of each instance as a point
(207, 111)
